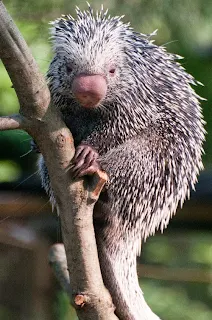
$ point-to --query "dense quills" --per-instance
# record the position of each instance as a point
(148, 131)
(149, 104)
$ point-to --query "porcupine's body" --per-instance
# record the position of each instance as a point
(145, 123)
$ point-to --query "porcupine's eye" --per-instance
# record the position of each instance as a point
(112, 71)
(69, 67)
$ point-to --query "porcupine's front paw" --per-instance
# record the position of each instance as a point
(85, 161)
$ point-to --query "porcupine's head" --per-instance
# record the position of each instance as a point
(96, 60)
(89, 56)
(99, 60)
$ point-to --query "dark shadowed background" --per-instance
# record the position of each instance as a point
(175, 268)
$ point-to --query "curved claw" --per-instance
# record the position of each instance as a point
(85, 161)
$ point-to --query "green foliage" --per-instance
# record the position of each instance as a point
(14, 157)
(172, 302)
(62, 308)
(8, 99)
(176, 249)
(9, 171)
(201, 252)
(176, 299)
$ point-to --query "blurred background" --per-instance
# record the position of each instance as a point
(175, 268)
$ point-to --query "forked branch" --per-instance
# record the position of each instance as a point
(76, 199)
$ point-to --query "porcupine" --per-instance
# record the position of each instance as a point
(133, 113)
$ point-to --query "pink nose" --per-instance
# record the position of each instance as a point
(89, 90)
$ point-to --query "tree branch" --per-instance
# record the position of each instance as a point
(29, 84)
(76, 199)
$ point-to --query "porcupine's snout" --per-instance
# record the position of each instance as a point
(89, 90)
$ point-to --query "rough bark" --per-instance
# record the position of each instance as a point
(75, 199)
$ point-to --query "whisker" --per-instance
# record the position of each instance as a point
(31, 191)
(28, 139)
(3, 219)
(22, 207)
(43, 206)
(169, 42)
(32, 175)
(20, 132)
(25, 154)
(13, 201)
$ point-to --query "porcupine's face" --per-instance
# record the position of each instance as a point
(89, 59)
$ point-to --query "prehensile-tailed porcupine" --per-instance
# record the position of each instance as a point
(132, 112)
